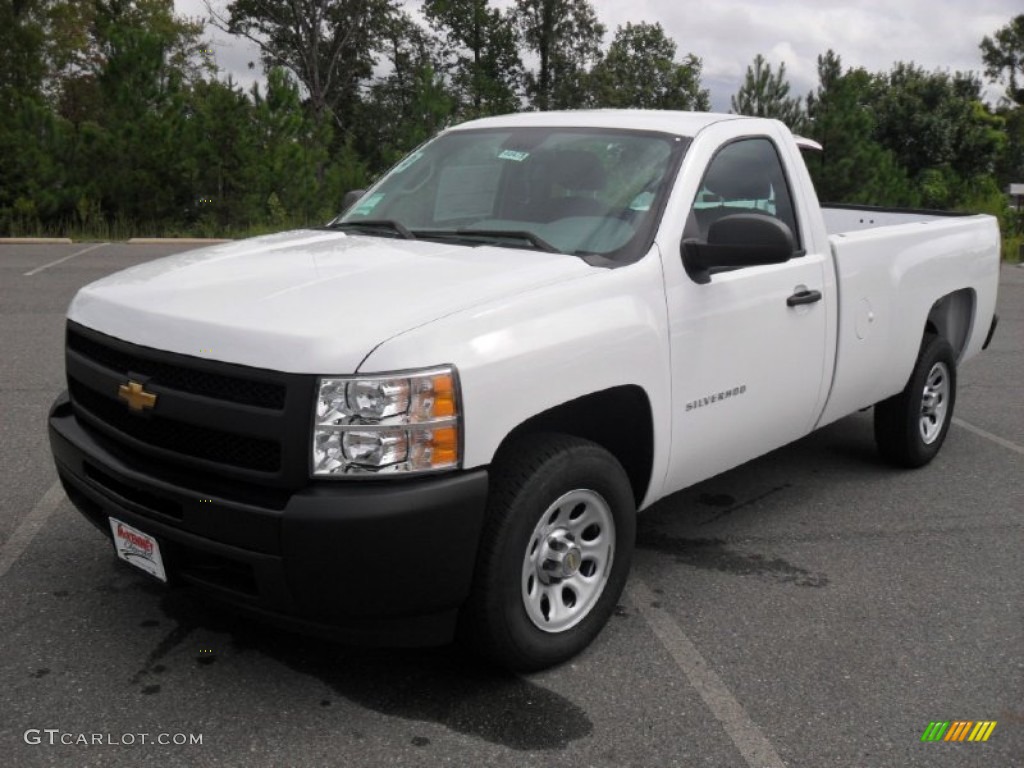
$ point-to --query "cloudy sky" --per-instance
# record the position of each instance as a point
(726, 34)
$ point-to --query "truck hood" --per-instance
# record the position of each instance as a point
(311, 301)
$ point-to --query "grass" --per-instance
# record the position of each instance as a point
(1012, 248)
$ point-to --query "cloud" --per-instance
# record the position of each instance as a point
(727, 34)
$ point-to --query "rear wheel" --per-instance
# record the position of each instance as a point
(910, 427)
(555, 552)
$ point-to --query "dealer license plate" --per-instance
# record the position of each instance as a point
(138, 548)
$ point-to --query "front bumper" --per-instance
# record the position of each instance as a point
(377, 562)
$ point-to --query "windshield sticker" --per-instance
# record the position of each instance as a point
(414, 157)
(642, 202)
(511, 154)
(367, 204)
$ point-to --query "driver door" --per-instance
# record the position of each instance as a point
(747, 364)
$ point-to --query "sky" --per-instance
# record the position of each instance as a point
(727, 34)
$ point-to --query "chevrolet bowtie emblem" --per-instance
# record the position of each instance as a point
(137, 398)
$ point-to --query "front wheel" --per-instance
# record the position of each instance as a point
(910, 427)
(555, 552)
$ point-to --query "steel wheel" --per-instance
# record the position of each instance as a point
(934, 402)
(910, 427)
(554, 552)
(567, 560)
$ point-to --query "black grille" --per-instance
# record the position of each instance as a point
(138, 495)
(179, 437)
(208, 384)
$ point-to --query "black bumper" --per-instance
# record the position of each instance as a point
(375, 562)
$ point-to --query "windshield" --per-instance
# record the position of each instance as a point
(570, 190)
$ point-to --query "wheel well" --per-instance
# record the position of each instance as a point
(951, 317)
(618, 419)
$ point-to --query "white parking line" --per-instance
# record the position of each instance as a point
(989, 436)
(752, 744)
(11, 550)
(65, 258)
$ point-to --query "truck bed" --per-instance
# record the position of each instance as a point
(891, 267)
(841, 219)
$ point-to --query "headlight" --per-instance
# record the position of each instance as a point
(400, 423)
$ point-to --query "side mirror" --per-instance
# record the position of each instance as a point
(738, 240)
(351, 198)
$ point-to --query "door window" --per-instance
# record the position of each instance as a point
(745, 176)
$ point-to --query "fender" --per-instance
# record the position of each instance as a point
(520, 357)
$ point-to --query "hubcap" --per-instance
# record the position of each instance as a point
(567, 561)
(934, 403)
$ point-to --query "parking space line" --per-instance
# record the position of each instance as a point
(989, 436)
(34, 521)
(748, 738)
(63, 259)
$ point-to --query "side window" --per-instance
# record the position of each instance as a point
(745, 175)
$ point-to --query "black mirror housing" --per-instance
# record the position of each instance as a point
(351, 198)
(738, 240)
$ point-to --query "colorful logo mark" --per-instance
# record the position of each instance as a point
(959, 730)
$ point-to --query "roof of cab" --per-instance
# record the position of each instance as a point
(665, 121)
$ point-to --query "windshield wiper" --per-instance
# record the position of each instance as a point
(532, 238)
(378, 224)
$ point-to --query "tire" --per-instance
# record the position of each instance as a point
(554, 554)
(910, 427)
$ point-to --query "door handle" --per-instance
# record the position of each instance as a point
(803, 297)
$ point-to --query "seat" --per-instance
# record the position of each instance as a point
(565, 184)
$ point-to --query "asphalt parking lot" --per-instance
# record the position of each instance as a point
(811, 608)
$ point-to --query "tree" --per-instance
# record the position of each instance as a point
(1003, 56)
(640, 70)
(103, 136)
(939, 129)
(225, 162)
(481, 45)
(328, 45)
(566, 37)
(853, 168)
(23, 32)
(407, 104)
(765, 93)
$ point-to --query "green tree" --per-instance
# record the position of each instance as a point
(223, 165)
(102, 131)
(939, 129)
(853, 168)
(328, 45)
(27, 130)
(409, 103)
(141, 57)
(566, 37)
(640, 70)
(293, 150)
(1003, 56)
(765, 93)
(23, 35)
(481, 47)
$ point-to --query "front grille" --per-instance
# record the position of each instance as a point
(241, 429)
(262, 394)
(139, 496)
(179, 437)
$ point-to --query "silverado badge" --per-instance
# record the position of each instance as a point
(137, 398)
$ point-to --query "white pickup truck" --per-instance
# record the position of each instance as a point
(438, 415)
